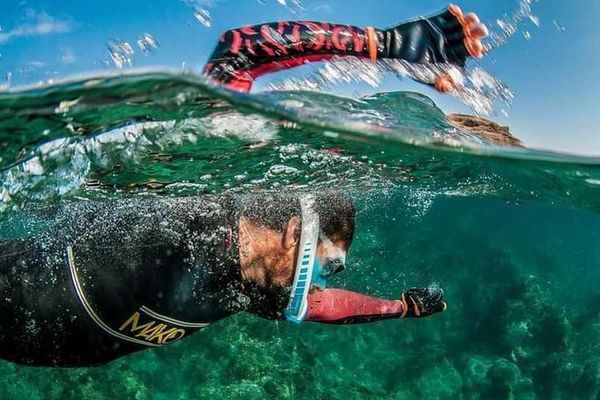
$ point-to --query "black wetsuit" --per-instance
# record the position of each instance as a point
(101, 280)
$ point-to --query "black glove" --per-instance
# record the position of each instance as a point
(436, 39)
(422, 302)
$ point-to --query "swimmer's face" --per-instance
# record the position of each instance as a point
(275, 268)
(332, 256)
(331, 253)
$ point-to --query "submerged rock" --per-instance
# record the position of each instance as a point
(485, 129)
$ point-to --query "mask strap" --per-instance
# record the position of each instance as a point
(309, 237)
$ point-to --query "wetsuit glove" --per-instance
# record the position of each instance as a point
(442, 38)
(422, 302)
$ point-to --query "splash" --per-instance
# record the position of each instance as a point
(510, 24)
(560, 27)
(203, 16)
(147, 43)
(7, 81)
(202, 8)
(474, 87)
(294, 5)
(121, 53)
(64, 166)
(201, 11)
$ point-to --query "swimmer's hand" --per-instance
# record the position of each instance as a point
(422, 302)
(449, 37)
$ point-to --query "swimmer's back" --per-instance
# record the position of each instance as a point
(88, 287)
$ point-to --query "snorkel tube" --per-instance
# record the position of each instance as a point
(305, 266)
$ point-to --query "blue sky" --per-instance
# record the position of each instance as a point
(554, 73)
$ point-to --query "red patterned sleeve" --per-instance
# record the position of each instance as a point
(245, 53)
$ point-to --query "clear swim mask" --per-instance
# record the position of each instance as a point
(311, 270)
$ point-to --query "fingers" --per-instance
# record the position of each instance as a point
(444, 84)
(422, 302)
(416, 309)
(472, 18)
(476, 48)
(478, 31)
(473, 30)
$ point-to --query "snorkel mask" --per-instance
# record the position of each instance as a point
(310, 268)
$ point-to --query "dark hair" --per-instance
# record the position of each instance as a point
(336, 212)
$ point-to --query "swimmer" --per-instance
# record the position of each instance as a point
(90, 282)
(94, 281)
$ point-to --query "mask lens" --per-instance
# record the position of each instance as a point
(332, 266)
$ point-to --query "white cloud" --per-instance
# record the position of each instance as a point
(38, 24)
(67, 56)
(324, 7)
(35, 64)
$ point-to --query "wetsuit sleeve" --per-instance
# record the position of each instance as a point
(338, 306)
(245, 53)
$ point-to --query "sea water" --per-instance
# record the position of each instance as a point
(511, 235)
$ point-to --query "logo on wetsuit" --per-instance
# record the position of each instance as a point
(151, 330)
(144, 326)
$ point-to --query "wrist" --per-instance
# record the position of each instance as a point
(383, 43)
(403, 307)
(371, 43)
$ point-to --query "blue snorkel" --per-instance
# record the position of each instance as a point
(311, 270)
(305, 266)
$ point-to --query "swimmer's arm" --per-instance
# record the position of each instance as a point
(334, 306)
(339, 306)
(245, 53)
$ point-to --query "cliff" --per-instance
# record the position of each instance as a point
(486, 129)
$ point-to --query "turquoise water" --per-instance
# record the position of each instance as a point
(511, 235)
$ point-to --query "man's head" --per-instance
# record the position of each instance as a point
(276, 221)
